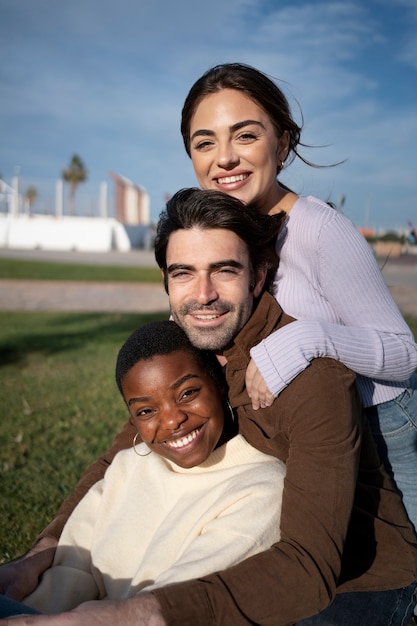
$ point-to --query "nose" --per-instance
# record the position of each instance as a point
(172, 417)
(206, 291)
(226, 155)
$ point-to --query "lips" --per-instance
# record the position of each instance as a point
(210, 319)
(207, 316)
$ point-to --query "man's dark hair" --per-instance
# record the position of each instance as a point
(207, 209)
(162, 338)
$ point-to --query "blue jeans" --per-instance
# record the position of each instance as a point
(362, 608)
(394, 427)
(9, 607)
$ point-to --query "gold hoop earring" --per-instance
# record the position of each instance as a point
(134, 446)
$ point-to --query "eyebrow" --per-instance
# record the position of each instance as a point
(233, 128)
(174, 385)
(212, 266)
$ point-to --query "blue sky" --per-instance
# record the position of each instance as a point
(106, 80)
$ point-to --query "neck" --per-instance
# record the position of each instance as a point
(283, 200)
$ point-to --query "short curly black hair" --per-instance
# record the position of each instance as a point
(163, 338)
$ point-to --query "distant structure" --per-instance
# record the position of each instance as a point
(8, 198)
(130, 228)
(131, 202)
(366, 232)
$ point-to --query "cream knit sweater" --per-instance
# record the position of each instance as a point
(150, 522)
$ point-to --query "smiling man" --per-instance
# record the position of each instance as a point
(213, 297)
(347, 553)
(337, 499)
(210, 300)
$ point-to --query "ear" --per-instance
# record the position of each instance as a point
(260, 282)
(283, 146)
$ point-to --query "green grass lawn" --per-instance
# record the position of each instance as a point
(412, 322)
(44, 270)
(59, 410)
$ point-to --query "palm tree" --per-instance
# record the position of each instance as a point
(74, 174)
(30, 197)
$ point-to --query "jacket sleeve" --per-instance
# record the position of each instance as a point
(371, 337)
(297, 576)
(93, 473)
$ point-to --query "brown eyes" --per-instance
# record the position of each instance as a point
(245, 137)
(147, 413)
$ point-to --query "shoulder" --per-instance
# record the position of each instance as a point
(312, 209)
(252, 467)
(126, 463)
(321, 403)
(319, 227)
(325, 384)
(315, 214)
(305, 223)
(328, 218)
(323, 371)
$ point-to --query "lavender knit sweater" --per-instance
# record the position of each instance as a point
(330, 281)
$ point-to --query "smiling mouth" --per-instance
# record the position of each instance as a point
(207, 316)
(232, 179)
(183, 441)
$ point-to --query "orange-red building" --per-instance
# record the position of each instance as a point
(131, 201)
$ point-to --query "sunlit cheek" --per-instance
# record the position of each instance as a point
(202, 171)
(175, 288)
(181, 293)
(146, 432)
(197, 165)
(204, 182)
(175, 301)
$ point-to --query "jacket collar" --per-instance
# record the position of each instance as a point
(262, 322)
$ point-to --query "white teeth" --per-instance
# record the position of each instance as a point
(231, 179)
(179, 443)
(206, 317)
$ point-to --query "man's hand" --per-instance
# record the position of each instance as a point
(20, 577)
(256, 387)
(142, 610)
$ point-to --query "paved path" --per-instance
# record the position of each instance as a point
(401, 278)
(46, 295)
(400, 275)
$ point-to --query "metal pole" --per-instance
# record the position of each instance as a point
(59, 198)
(103, 199)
